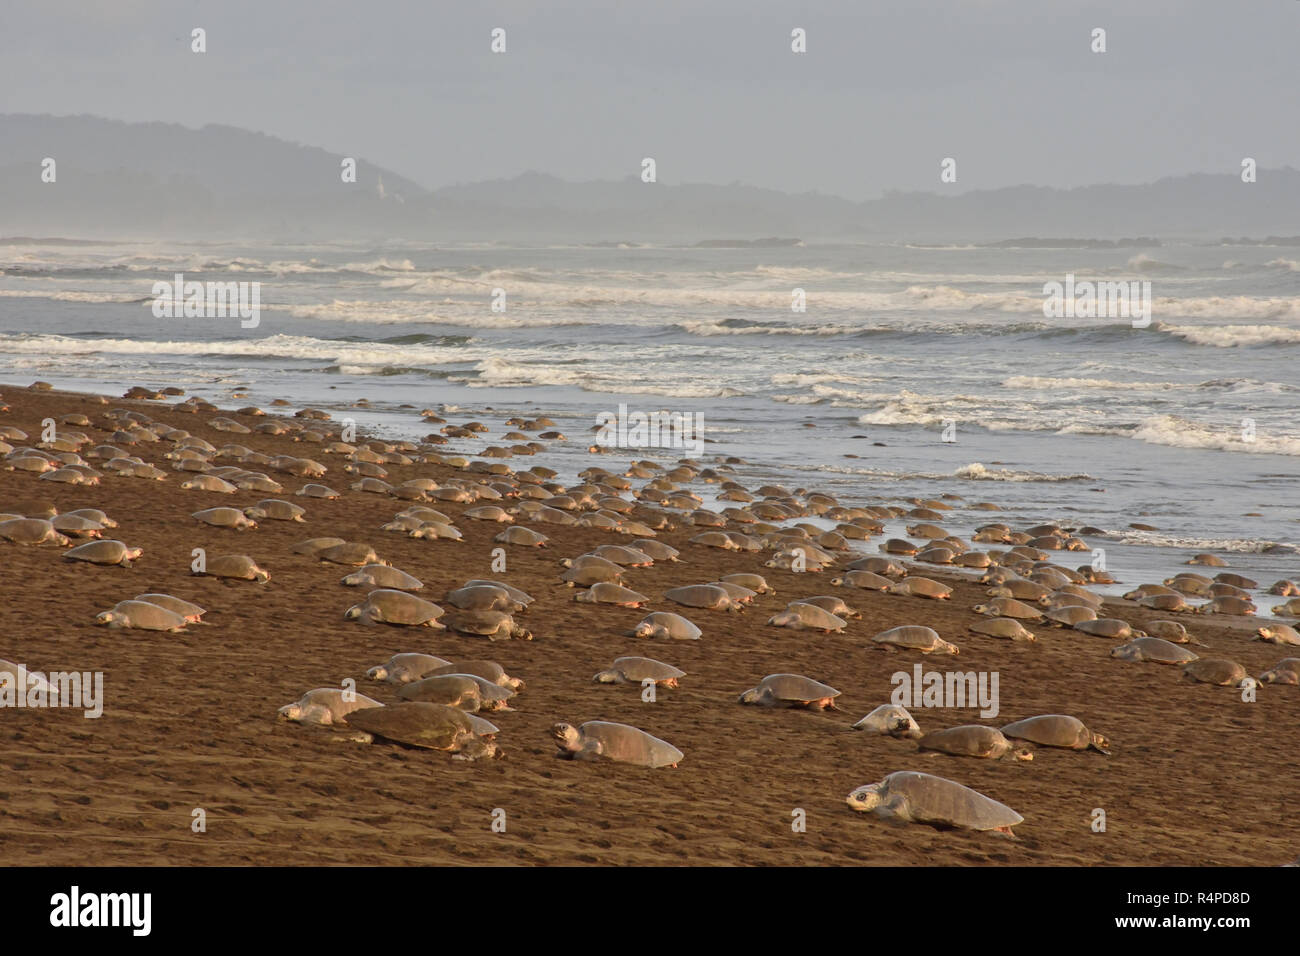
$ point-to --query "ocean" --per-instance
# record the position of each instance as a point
(1188, 424)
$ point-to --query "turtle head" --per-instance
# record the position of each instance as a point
(835, 582)
(566, 736)
(110, 618)
(351, 614)
(1023, 754)
(864, 799)
(644, 629)
(608, 677)
(261, 576)
(981, 608)
(1100, 744)
(133, 554)
(375, 673)
(750, 696)
(254, 512)
(905, 727)
(566, 562)
(291, 711)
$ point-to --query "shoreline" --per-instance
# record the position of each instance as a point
(190, 718)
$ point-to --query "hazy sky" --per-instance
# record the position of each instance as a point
(709, 88)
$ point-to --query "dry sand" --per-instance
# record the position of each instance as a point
(1196, 777)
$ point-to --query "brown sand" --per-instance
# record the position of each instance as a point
(1196, 777)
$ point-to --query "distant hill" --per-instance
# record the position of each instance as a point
(141, 179)
(119, 179)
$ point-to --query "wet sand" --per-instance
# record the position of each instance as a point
(1197, 777)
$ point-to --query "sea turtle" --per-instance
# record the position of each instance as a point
(527, 537)
(1285, 671)
(487, 670)
(314, 490)
(467, 691)
(429, 726)
(791, 690)
(619, 742)
(390, 606)
(276, 509)
(755, 582)
(738, 593)
(1070, 615)
(867, 580)
(1236, 580)
(1153, 649)
(912, 797)
(488, 513)
(75, 526)
(313, 546)
(877, 565)
(92, 514)
(1213, 671)
(224, 518)
(1009, 607)
(1056, 730)
(1111, 627)
(808, 617)
(404, 668)
(1278, 634)
(638, 670)
(832, 605)
(589, 569)
(191, 613)
(973, 740)
(1165, 602)
(239, 567)
(915, 637)
(326, 706)
(141, 615)
(610, 593)
(350, 552)
(665, 624)
(707, 596)
(382, 576)
(623, 556)
(921, 587)
(106, 552)
(516, 595)
(1172, 631)
(1021, 589)
(1230, 605)
(891, 719)
(494, 625)
(1003, 627)
(31, 531)
(657, 549)
(483, 597)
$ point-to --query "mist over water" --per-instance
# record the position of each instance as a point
(1089, 421)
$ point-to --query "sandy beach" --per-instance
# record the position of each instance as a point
(1196, 775)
